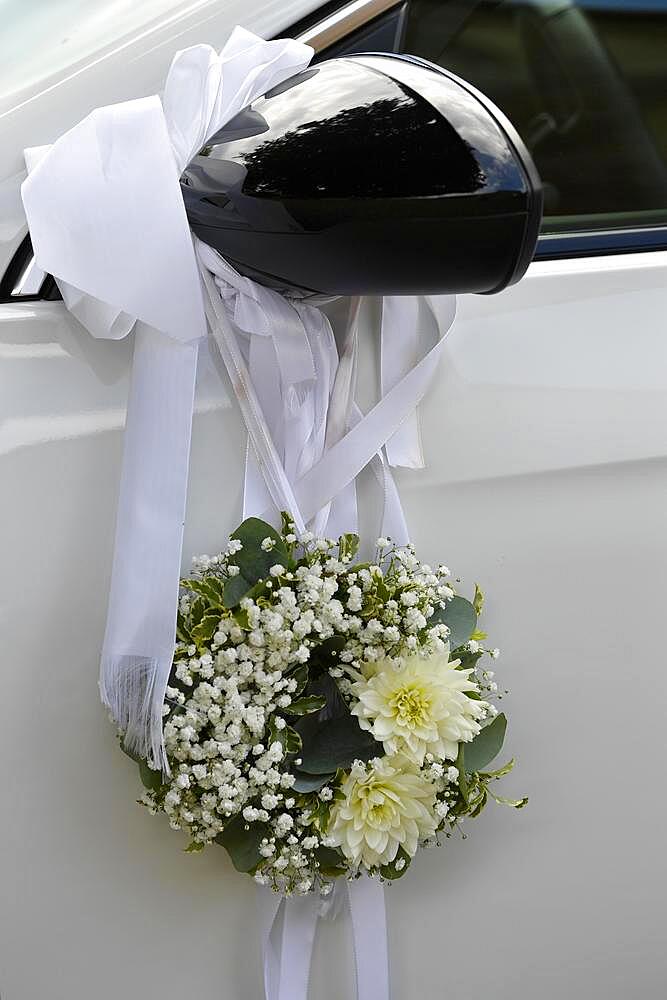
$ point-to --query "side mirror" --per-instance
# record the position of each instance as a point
(369, 174)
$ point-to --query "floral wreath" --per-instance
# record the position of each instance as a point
(324, 717)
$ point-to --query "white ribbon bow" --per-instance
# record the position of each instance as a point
(107, 219)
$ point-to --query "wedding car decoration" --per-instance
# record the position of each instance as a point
(318, 713)
(325, 715)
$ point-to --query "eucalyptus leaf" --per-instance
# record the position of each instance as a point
(331, 861)
(337, 743)
(152, 780)
(253, 562)
(459, 616)
(310, 782)
(325, 654)
(326, 686)
(390, 871)
(236, 587)
(486, 745)
(241, 840)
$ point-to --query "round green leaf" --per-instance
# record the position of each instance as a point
(152, 780)
(459, 616)
(242, 844)
(486, 745)
(311, 782)
(336, 743)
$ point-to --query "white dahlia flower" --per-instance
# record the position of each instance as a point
(421, 708)
(387, 804)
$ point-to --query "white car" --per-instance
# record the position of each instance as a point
(546, 481)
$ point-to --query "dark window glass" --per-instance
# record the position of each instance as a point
(586, 86)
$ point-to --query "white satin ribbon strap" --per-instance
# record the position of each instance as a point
(107, 219)
(399, 353)
(269, 460)
(288, 937)
(345, 460)
(369, 934)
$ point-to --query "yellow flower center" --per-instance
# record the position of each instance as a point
(377, 802)
(411, 706)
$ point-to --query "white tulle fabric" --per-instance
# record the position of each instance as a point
(107, 219)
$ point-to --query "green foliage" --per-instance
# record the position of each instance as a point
(348, 546)
(306, 783)
(325, 654)
(253, 562)
(211, 589)
(300, 675)
(337, 743)
(205, 630)
(152, 780)
(236, 587)
(194, 847)
(390, 871)
(478, 600)
(290, 739)
(241, 840)
(474, 784)
(486, 745)
(331, 862)
(305, 706)
(513, 803)
(460, 617)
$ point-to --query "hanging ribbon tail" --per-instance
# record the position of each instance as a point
(369, 934)
(107, 219)
(141, 621)
(344, 460)
(288, 937)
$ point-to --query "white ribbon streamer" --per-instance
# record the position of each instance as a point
(107, 219)
(288, 938)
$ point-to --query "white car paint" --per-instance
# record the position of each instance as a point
(546, 441)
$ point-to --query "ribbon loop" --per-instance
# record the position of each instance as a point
(107, 219)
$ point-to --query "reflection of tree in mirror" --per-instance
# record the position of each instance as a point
(394, 147)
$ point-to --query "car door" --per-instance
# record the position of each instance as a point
(545, 438)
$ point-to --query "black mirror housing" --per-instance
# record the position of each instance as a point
(369, 174)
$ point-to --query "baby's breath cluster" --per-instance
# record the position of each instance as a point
(325, 715)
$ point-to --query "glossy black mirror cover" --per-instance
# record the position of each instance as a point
(371, 174)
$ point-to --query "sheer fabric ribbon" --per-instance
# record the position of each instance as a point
(107, 220)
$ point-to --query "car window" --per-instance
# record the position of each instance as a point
(584, 82)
